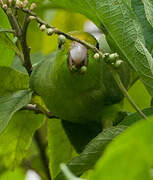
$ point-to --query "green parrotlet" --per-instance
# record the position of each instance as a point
(74, 85)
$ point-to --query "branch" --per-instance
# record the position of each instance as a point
(25, 48)
(7, 31)
(13, 22)
(39, 110)
(42, 150)
(59, 32)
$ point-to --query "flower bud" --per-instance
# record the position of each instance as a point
(113, 57)
(42, 27)
(61, 39)
(50, 31)
(32, 17)
(1, 3)
(19, 4)
(117, 63)
(33, 6)
(96, 56)
(25, 3)
(83, 69)
(10, 2)
(5, 7)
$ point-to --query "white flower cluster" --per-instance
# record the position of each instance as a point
(16, 3)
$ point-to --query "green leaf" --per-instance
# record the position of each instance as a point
(4, 20)
(6, 54)
(130, 156)
(134, 117)
(11, 104)
(16, 138)
(8, 43)
(87, 159)
(148, 5)
(138, 8)
(18, 174)
(118, 21)
(60, 149)
(68, 174)
(35, 58)
(136, 91)
(12, 80)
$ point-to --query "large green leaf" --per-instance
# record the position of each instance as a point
(6, 54)
(11, 104)
(118, 21)
(138, 8)
(87, 159)
(16, 139)
(134, 117)
(148, 5)
(136, 91)
(18, 174)
(130, 156)
(8, 43)
(60, 148)
(12, 80)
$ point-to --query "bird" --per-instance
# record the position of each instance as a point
(74, 85)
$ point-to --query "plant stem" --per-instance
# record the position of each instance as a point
(39, 110)
(59, 32)
(13, 22)
(42, 150)
(7, 30)
(25, 48)
(125, 92)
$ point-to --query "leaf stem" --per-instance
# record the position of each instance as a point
(125, 92)
(7, 30)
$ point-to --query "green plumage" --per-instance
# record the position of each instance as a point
(74, 96)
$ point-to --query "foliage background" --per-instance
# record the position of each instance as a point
(41, 46)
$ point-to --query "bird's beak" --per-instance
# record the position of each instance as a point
(78, 55)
